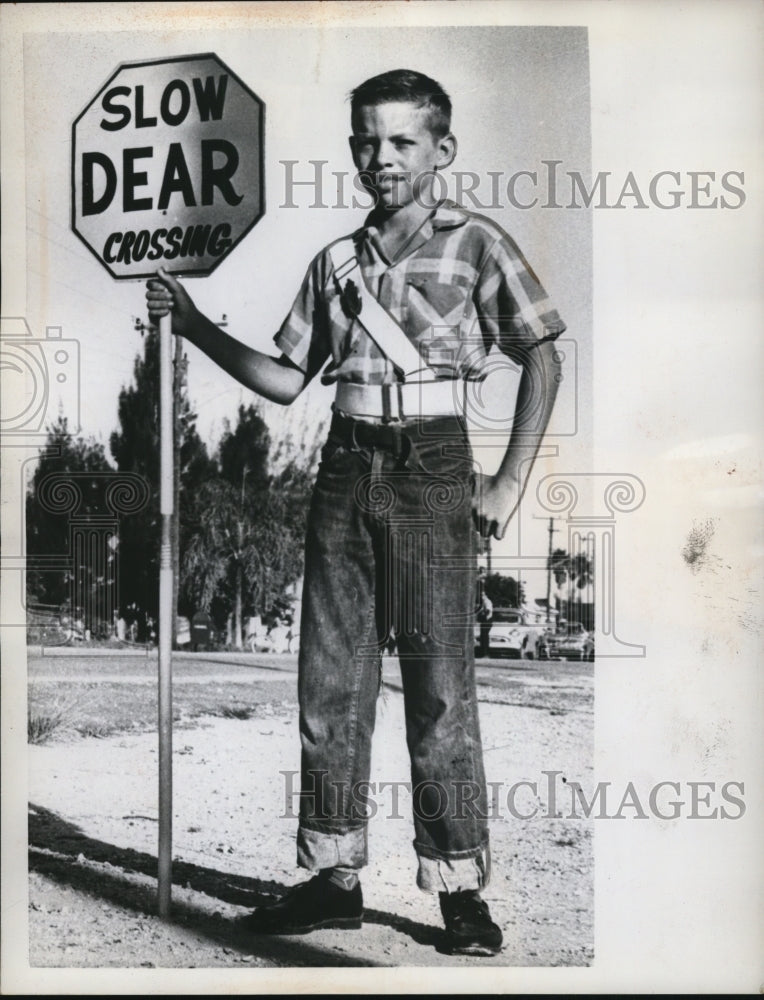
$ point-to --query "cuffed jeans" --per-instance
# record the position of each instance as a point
(391, 546)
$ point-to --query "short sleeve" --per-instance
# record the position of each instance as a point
(513, 308)
(304, 335)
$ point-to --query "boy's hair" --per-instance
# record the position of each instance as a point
(405, 85)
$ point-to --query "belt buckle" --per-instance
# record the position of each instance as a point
(392, 403)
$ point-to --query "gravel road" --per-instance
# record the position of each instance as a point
(93, 829)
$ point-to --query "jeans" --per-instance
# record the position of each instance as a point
(391, 549)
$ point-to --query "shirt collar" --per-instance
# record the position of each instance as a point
(446, 215)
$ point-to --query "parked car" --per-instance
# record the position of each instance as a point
(571, 642)
(513, 634)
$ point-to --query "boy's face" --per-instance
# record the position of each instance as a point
(396, 154)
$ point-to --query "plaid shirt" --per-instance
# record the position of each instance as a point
(459, 286)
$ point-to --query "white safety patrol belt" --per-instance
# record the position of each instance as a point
(373, 317)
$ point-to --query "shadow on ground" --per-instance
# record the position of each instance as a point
(59, 850)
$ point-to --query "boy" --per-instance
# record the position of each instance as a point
(391, 539)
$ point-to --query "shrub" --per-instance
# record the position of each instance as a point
(43, 725)
(51, 716)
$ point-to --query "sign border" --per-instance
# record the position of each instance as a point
(194, 273)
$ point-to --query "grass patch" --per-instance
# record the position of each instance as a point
(94, 730)
(227, 712)
(96, 708)
(50, 721)
(52, 718)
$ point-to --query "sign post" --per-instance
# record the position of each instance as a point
(166, 509)
(167, 171)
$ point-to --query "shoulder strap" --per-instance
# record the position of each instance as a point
(372, 315)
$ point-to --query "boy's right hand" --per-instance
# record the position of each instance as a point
(165, 294)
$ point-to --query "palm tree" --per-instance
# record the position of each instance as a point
(559, 563)
(576, 571)
(582, 570)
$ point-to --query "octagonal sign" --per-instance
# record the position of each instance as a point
(167, 167)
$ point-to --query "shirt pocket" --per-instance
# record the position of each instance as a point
(435, 310)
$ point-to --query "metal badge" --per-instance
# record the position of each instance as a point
(350, 299)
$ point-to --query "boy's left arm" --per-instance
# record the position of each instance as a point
(496, 497)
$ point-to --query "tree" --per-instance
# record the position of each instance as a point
(135, 447)
(575, 573)
(575, 570)
(559, 563)
(223, 555)
(280, 535)
(221, 552)
(246, 547)
(48, 531)
(581, 570)
(503, 591)
(195, 468)
(243, 451)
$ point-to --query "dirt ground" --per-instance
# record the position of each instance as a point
(93, 839)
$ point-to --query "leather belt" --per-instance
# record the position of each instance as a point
(401, 400)
(360, 434)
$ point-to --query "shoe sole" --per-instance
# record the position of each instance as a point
(475, 949)
(335, 923)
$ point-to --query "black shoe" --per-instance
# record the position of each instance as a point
(307, 907)
(469, 928)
